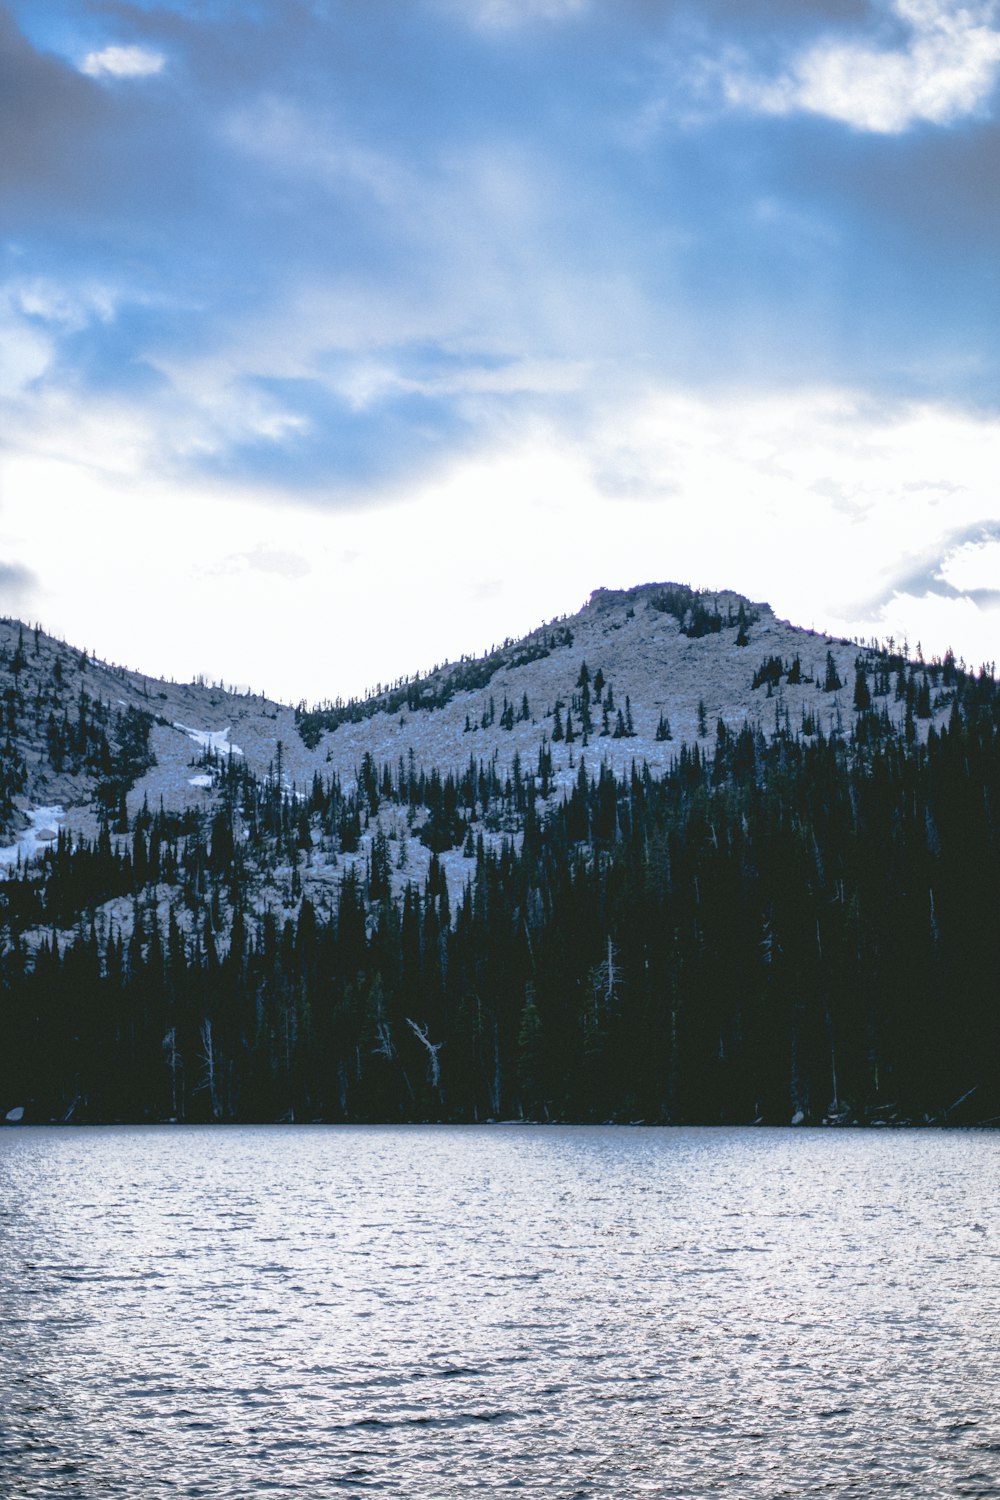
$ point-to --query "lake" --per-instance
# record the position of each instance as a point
(524, 1310)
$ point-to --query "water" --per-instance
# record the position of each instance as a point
(565, 1312)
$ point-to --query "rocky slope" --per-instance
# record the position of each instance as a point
(667, 686)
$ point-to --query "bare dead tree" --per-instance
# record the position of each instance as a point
(384, 1046)
(173, 1060)
(208, 1060)
(422, 1033)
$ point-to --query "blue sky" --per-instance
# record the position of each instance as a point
(475, 305)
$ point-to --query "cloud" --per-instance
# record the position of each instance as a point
(833, 507)
(16, 581)
(25, 354)
(503, 15)
(123, 62)
(961, 563)
(276, 561)
(830, 504)
(344, 251)
(945, 71)
(973, 566)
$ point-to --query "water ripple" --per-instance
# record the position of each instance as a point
(568, 1313)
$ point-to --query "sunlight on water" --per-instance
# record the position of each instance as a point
(567, 1312)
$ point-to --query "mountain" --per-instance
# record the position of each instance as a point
(656, 654)
(669, 858)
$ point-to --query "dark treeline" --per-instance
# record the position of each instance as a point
(432, 691)
(801, 926)
(698, 613)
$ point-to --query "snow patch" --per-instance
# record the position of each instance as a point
(43, 832)
(200, 780)
(211, 739)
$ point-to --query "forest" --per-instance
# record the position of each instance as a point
(793, 927)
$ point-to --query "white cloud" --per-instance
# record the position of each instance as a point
(491, 269)
(87, 433)
(205, 416)
(935, 623)
(277, 561)
(296, 143)
(946, 72)
(25, 355)
(368, 381)
(123, 62)
(66, 307)
(503, 15)
(974, 566)
(822, 503)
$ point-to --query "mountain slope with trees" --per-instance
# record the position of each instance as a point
(668, 860)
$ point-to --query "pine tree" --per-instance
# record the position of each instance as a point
(380, 870)
(19, 660)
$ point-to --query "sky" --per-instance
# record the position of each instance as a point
(338, 339)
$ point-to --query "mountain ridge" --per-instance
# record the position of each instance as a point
(671, 684)
(670, 816)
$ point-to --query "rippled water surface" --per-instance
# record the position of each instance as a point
(568, 1312)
